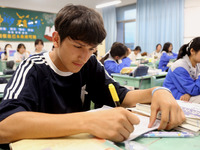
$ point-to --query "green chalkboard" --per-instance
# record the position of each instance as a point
(25, 25)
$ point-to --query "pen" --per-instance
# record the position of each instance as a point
(114, 95)
(168, 134)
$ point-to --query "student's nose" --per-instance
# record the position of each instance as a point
(84, 55)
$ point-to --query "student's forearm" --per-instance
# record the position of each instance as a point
(137, 96)
(25, 125)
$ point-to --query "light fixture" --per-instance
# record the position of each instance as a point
(108, 4)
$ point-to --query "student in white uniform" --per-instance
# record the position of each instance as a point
(21, 53)
(39, 45)
(136, 53)
(4, 55)
(157, 53)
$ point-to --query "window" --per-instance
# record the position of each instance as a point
(126, 25)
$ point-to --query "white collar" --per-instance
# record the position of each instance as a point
(111, 58)
(52, 66)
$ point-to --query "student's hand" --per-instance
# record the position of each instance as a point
(171, 113)
(115, 124)
(185, 97)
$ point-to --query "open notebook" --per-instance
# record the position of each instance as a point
(81, 141)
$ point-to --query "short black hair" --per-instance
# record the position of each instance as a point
(20, 45)
(118, 49)
(80, 23)
(37, 41)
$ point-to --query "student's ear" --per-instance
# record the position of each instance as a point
(192, 51)
(56, 39)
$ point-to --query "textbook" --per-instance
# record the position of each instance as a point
(191, 111)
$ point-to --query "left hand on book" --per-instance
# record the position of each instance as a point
(171, 113)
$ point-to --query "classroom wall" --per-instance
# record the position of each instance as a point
(191, 20)
(191, 28)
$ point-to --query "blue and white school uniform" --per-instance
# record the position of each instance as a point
(164, 60)
(183, 78)
(112, 66)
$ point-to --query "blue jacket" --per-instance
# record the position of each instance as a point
(112, 66)
(164, 60)
(182, 78)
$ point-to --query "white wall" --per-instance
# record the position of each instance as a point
(191, 20)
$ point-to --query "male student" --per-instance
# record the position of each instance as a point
(43, 97)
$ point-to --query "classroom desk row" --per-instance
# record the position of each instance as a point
(3, 65)
(7, 78)
(143, 82)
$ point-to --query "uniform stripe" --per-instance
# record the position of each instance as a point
(21, 74)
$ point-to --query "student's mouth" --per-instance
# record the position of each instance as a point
(78, 64)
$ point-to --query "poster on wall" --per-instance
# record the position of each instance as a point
(25, 25)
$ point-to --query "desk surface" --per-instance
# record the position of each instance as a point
(143, 82)
(155, 143)
(171, 143)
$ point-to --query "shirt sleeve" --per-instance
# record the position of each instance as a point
(184, 83)
(167, 57)
(98, 86)
(21, 92)
(113, 67)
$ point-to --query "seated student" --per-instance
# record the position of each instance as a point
(167, 54)
(135, 54)
(117, 58)
(4, 55)
(43, 97)
(39, 44)
(157, 53)
(183, 78)
(21, 53)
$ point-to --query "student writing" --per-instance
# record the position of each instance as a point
(117, 58)
(183, 77)
(21, 53)
(42, 99)
(167, 54)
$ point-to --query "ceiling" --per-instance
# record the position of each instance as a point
(54, 6)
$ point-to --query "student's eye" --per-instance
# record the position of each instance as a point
(77, 46)
(92, 49)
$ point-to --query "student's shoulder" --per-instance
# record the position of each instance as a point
(33, 60)
(180, 63)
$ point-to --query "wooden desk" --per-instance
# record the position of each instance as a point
(143, 82)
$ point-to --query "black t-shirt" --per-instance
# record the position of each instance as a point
(38, 86)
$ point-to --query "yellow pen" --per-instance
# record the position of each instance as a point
(114, 94)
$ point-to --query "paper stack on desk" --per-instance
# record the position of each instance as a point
(191, 111)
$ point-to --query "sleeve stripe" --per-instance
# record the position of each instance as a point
(20, 75)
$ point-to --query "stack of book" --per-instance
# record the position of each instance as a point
(191, 111)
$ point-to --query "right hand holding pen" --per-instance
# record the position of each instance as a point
(115, 124)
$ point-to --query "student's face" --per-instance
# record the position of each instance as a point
(9, 46)
(39, 46)
(158, 48)
(136, 52)
(170, 48)
(71, 55)
(196, 56)
(22, 50)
